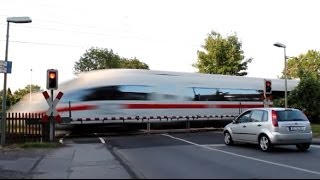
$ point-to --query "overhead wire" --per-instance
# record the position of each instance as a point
(71, 31)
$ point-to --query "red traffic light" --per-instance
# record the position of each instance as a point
(52, 75)
(268, 87)
(268, 83)
(52, 79)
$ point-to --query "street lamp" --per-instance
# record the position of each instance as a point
(3, 122)
(280, 45)
(30, 82)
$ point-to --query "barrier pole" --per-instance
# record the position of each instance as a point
(188, 125)
(148, 126)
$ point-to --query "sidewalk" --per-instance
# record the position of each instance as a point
(316, 141)
(69, 162)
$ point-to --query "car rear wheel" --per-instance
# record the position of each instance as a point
(228, 139)
(303, 147)
(264, 143)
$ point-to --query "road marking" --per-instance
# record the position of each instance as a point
(315, 146)
(61, 141)
(214, 145)
(246, 157)
(102, 140)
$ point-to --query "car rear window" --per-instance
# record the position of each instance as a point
(291, 115)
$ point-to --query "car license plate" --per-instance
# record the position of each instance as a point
(296, 128)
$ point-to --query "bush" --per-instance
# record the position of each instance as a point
(306, 97)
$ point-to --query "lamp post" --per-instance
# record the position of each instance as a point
(285, 72)
(3, 122)
(30, 82)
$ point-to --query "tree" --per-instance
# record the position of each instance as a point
(306, 97)
(9, 98)
(20, 93)
(98, 58)
(134, 64)
(13, 98)
(304, 64)
(222, 56)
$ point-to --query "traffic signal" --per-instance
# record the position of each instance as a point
(267, 87)
(52, 79)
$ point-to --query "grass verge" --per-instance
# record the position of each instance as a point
(40, 145)
(315, 130)
(29, 145)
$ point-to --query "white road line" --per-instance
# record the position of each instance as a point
(246, 157)
(316, 146)
(61, 141)
(102, 140)
(214, 145)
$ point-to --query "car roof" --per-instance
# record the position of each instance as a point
(273, 108)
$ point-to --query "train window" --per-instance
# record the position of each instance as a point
(278, 94)
(135, 92)
(75, 96)
(187, 93)
(226, 94)
(124, 92)
(205, 94)
(239, 94)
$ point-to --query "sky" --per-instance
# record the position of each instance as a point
(165, 34)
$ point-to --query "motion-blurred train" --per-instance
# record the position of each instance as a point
(135, 92)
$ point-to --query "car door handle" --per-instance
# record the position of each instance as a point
(259, 125)
(244, 126)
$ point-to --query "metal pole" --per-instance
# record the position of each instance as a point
(30, 82)
(148, 126)
(285, 76)
(4, 97)
(51, 119)
(188, 125)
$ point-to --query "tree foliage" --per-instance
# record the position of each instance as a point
(306, 96)
(222, 56)
(99, 58)
(133, 64)
(304, 64)
(13, 98)
(20, 93)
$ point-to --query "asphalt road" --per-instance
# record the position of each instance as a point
(135, 154)
(203, 155)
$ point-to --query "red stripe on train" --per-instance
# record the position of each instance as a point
(186, 106)
(236, 106)
(77, 108)
(164, 106)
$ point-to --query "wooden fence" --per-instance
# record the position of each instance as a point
(25, 127)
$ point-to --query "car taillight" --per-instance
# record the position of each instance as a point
(274, 118)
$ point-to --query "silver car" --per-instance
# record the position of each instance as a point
(270, 126)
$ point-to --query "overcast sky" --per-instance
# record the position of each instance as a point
(165, 34)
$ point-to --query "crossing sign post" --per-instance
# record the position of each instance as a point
(52, 107)
(52, 113)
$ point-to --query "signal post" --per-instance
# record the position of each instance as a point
(51, 115)
(267, 92)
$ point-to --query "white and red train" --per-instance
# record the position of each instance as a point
(110, 93)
